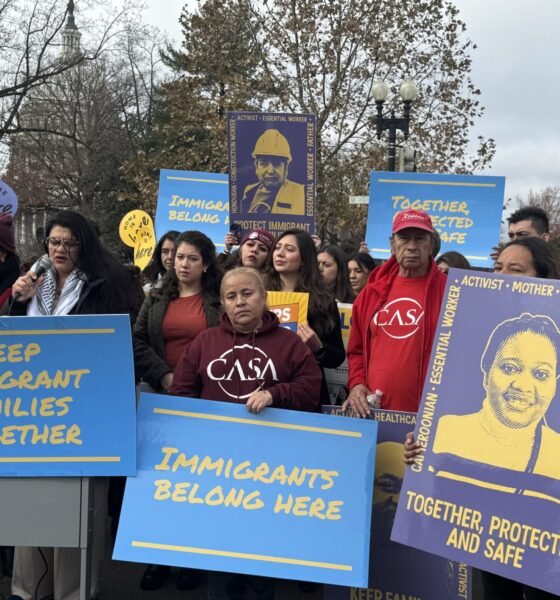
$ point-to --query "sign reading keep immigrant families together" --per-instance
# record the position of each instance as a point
(67, 397)
(487, 489)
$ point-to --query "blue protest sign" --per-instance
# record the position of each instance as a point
(272, 170)
(466, 210)
(8, 200)
(282, 493)
(190, 200)
(427, 576)
(487, 488)
(67, 397)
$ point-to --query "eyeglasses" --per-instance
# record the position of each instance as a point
(66, 244)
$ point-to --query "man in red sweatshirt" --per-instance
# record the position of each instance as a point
(394, 320)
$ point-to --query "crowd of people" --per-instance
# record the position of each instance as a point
(197, 305)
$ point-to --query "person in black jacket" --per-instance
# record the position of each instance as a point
(83, 278)
(187, 303)
(293, 268)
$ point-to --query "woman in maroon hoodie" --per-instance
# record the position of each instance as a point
(249, 359)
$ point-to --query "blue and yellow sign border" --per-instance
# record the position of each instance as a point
(156, 529)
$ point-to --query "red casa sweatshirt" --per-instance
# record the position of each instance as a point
(224, 364)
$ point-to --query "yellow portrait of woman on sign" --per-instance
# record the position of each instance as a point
(510, 431)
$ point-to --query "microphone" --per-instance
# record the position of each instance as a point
(42, 267)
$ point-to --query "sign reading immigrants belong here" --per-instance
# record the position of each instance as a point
(486, 491)
(67, 397)
(281, 494)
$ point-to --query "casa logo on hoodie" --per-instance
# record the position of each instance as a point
(241, 370)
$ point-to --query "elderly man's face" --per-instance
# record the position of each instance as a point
(412, 247)
(271, 171)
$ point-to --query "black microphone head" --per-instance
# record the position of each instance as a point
(43, 265)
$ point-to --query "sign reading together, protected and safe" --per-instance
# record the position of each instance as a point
(486, 491)
(272, 170)
(67, 397)
(281, 493)
(465, 210)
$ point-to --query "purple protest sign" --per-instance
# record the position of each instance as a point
(272, 171)
(487, 490)
(8, 200)
(427, 576)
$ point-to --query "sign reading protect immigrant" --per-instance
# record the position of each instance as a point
(67, 397)
(282, 494)
(486, 492)
(465, 210)
(272, 171)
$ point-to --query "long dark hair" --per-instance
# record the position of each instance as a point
(364, 260)
(95, 262)
(342, 289)
(544, 259)
(153, 270)
(210, 280)
(454, 259)
(310, 281)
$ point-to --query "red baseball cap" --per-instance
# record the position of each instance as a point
(412, 218)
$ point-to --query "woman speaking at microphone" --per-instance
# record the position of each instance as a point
(83, 278)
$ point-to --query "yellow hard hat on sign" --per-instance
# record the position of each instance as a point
(272, 143)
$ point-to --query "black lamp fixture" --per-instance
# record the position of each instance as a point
(408, 93)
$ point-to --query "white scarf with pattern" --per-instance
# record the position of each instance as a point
(44, 302)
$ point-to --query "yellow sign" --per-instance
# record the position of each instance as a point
(289, 307)
(145, 246)
(131, 223)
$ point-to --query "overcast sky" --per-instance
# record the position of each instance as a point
(516, 68)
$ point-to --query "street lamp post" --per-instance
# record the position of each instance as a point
(393, 124)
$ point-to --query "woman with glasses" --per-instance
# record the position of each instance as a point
(83, 278)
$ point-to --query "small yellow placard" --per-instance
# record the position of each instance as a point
(131, 223)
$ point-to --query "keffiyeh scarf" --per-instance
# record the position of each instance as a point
(44, 302)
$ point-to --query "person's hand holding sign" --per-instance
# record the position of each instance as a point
(230, 241)
(259, 400)
(166, 381)
(309, 337)
(357, 401)
(411, 449)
